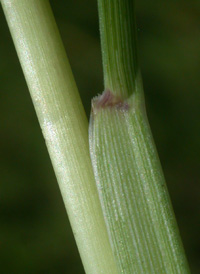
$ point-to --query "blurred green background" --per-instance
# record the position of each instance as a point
(35, 235)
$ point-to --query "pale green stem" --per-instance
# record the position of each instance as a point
(64, 125)
(136, 206)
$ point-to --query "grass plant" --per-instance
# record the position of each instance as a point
(118, 205)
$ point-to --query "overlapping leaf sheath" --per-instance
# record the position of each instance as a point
(133, 194)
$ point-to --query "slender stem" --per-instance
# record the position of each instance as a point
(64, 125)
(118, 42)
(136, 206)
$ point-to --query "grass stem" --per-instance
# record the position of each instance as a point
(136, 206)
(63, 123)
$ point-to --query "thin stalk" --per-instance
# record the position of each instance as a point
(136, 206)
(118, 43)
(63, 123)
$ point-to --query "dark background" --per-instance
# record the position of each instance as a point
(35, 235)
